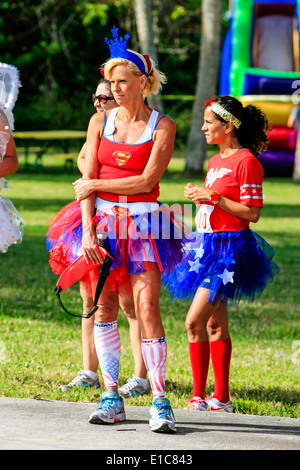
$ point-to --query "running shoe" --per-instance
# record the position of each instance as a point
(197, 404)
(215, 405)
(161, 416)
(110, 409)
(81, 381)
(134, 388)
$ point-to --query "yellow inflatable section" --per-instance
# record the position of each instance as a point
(275, 108)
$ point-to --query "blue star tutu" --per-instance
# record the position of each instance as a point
(233, 265)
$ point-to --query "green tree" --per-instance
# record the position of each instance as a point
(208, 67)
(59, 48)
(144, 22)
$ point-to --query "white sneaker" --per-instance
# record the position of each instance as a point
(134, 388)
(81, 381)
(215, 405)
(161, 416)
(197, 404)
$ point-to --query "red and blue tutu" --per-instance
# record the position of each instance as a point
(137, 238)
(231, 265)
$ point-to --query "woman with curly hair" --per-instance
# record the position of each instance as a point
(227, 261)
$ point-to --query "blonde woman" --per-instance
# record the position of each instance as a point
(128, 150)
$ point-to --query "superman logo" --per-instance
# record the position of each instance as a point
(121, 157)
(120, 212)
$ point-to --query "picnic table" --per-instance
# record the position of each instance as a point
(58, 138)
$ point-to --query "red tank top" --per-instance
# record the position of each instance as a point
(118, 160)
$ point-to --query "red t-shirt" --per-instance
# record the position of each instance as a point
(239, 178)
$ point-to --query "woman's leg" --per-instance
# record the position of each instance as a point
(220, 351)
(127, 305)
(198, 319)
(107, 339)
(87, 377)
(146, 290)
(108, 347)
(90, 359)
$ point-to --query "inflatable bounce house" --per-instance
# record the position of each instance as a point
(260, 65)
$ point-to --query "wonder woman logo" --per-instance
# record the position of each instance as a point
(121, 157)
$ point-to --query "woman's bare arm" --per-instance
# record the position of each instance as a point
(89, 238)
(199, 194)
(10, 162)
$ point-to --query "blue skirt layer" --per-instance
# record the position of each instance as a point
(233, 265)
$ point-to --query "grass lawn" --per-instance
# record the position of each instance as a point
(40, 345)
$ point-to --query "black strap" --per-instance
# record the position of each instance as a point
(104, 273)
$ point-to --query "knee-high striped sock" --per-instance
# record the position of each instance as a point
(155, 358)
(108, 347)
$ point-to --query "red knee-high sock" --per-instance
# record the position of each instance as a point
(220, 352)
(199, 357)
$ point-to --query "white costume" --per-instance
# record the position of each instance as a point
(11, 223)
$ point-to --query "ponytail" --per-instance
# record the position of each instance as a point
(252, 133)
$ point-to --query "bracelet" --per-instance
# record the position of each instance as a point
(214, 197)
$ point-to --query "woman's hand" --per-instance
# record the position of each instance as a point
(196, 193)
(83, 188)
(90, 246)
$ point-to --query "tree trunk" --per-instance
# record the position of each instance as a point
(143, 15)
(208, 70)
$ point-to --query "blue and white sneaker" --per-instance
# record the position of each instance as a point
(110, 409)
(161, 416)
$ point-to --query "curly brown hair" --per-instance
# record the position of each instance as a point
(252, 133)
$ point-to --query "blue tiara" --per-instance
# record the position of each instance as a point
(118, 50)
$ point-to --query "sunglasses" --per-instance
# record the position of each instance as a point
(102, 98)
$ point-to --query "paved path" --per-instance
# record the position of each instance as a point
(55, 425)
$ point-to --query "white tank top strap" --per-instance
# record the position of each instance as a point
(148, 132)
(109, 127)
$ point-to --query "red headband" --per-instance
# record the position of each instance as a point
(149, 65)
(208, 103)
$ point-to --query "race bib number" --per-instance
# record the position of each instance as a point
(203, 218)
